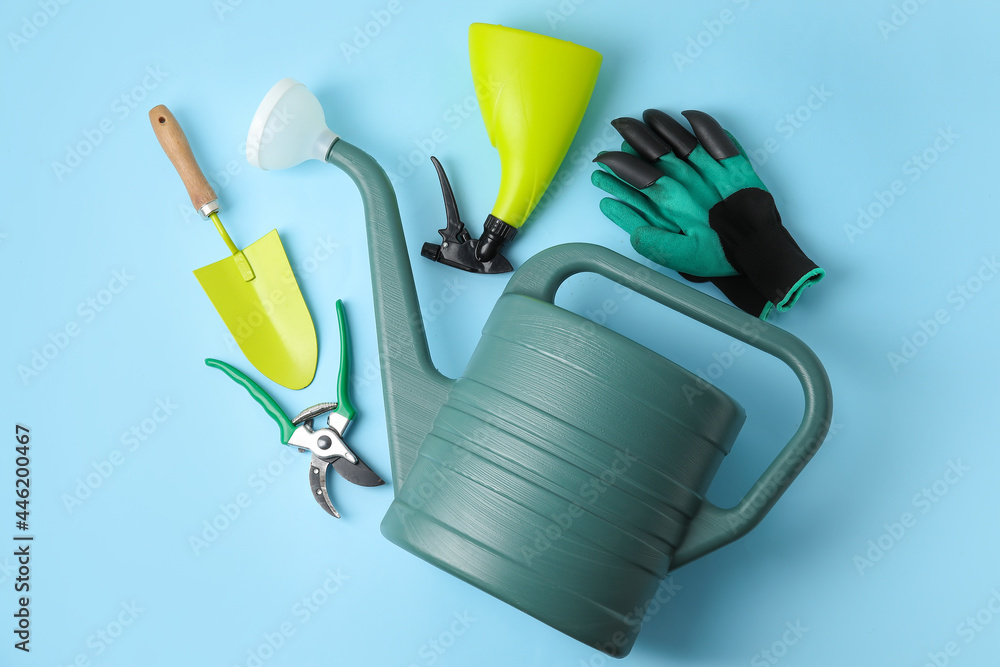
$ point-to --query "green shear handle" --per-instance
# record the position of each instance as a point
(271, 407)
(344, 406)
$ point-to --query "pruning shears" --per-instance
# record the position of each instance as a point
(325, 443)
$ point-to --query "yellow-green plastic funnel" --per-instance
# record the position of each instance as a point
(533, 91)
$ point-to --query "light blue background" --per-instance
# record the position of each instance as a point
(897, 430)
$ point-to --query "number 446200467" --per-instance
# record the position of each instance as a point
(21, 434)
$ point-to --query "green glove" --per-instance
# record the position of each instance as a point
(693, 203)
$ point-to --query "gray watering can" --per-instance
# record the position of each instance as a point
(565, 472)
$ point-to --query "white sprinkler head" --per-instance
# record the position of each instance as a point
(288, 128)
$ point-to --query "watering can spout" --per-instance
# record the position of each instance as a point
(414, 390)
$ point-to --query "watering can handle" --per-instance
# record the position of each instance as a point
(712, 526)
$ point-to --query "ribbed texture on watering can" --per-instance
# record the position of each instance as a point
(629, 385)
(562, 472)
(555, 443)
(557, 358)
(599, 513)
(535, 454)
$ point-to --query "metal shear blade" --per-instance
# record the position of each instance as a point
(317, 482)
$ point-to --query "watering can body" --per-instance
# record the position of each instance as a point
(567, 466)
(563, 470)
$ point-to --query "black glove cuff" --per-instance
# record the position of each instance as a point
(759, 247)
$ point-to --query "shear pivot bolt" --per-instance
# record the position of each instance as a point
(324, 442)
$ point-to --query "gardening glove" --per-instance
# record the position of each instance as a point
(693, 203)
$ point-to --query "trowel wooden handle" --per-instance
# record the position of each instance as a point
(177, 148)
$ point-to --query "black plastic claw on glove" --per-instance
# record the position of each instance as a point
(711, 135)
(682, 141)
(629, 168)
(644, 141)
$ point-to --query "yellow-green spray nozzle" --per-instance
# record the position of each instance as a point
(533, 91)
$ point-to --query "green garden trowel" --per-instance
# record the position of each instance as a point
(254, 289)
